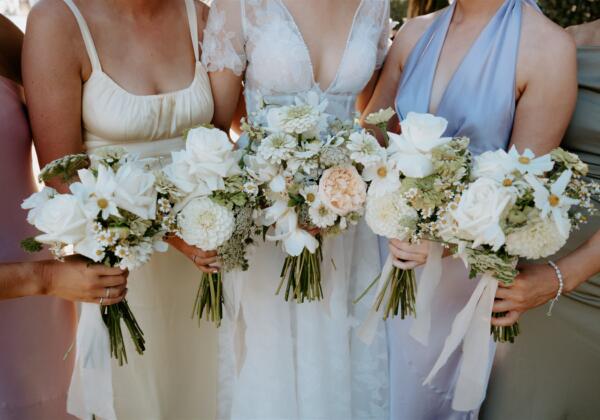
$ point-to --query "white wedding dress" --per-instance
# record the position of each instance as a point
(278, 359)
(176, 377)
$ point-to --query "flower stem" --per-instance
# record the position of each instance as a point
(112, 316)
(504, 334)
(402, 294)
(209, 298)
(302, 276)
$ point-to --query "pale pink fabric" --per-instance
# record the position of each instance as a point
(35, 332)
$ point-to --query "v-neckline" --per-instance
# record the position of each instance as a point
(451, 12)
(307, 50)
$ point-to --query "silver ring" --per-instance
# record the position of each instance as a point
(194, 258)
(101, 301)
(107, 292)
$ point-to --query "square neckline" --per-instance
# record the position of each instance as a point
(97, 66)
(302, 40)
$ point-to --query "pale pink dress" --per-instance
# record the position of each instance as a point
(35, 332)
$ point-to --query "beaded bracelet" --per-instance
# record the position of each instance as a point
(561, 284)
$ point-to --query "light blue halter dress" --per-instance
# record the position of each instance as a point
(479, 102)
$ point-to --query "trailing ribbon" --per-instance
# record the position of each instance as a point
(366, 332)
(91, 389)
(428, 283)
(232, 293)
(471, 327)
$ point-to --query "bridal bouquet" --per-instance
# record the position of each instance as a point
(413, 179)
(517, 206)
(205, 199)
(108, 216)
(303, 162)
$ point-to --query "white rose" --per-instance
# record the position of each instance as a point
(135, 191)
(61, 219)
(411, 150)
(494, 164)
(207, 159)
(480, 210)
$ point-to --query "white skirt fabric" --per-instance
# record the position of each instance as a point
(282, 360)
(176, 377)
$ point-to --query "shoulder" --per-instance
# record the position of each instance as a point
(409, 34)
(202, 10)
(544, 43)
(53, 34)
(586, 33)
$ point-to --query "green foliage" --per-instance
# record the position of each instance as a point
(66, 167)
(571, 12)
(31, 245)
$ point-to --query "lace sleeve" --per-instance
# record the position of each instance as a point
(223, 44)
(384, 38)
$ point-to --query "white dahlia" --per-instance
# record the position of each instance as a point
(539, 238)
(390, 216)
(364, 148)
(277, 147)
(205, 224)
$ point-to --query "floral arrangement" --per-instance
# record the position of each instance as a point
(108, 216)
(205, 199)
(304, 165)
(412, 180)
(517, 206)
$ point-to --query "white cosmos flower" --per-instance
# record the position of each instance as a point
(250, 188)
(411, 150)
(310, 192)
(364, 148)
(97, 192)
(527, 163)
(35, 201)
(61, 219)
(389, 215)
(277, 147)
(205, 224)
(207, 159)
(384, 177)
(553, 201)
(320, 215)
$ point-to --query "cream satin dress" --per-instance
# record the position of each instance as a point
(176, 377)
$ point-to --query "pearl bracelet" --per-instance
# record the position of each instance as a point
(561, 284)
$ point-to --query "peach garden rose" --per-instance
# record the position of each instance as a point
(342, 190)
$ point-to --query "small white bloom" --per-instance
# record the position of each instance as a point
(35, 201)
(527, 163)
(250, 188)
(380, 117)
(364, 148)
(384, 177)
(97, 192)
(205, 224)
(164, 206)
(277, 147)
(320, 215)
(310, 193)
(306, 117)
(554, 202)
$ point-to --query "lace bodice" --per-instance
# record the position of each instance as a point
(261, 38)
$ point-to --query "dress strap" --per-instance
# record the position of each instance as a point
(193, 24)
(86, 34)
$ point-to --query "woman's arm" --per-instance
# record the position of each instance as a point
(53, 75)
(226, 87)
(11, 43)
(537, 284)
(75, 279)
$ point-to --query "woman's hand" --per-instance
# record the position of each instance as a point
(77, 279)
(407, 256)
(534, 286)
(206, 261)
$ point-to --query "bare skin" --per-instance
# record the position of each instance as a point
(75, 279)
(537, 283)
(152, 34)
(324, 26)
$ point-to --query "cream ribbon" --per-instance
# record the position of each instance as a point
(428, 282)
(471, 327)
(91, 389)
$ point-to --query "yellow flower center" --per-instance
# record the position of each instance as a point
(553, 200)
(310, 197)
(524, 160)
(507, 182)
(382, 172)
(102, 203)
